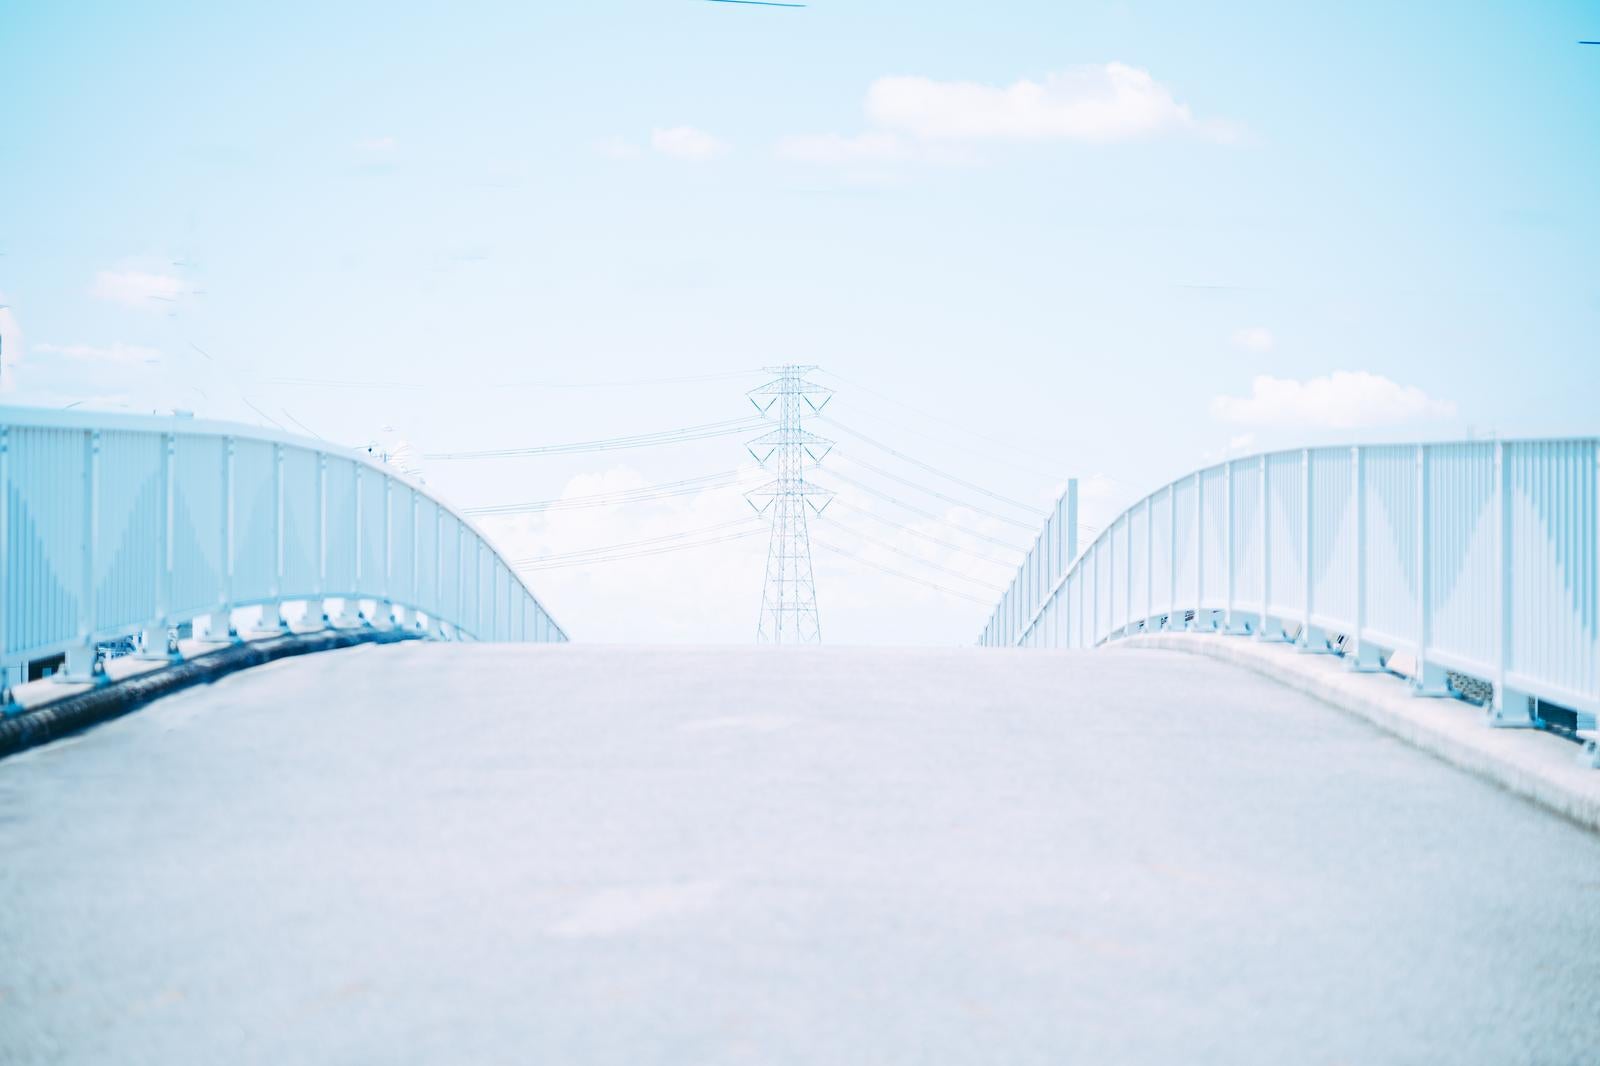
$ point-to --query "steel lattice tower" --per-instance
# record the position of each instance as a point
(789, 597)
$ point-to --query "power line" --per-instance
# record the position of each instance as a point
(644, 493)
(631, 545)
(347, 383)
(936, 494)
(642, 440)
(914, 509)
(886, 546)
(951, 422)
(642, 553)
(900, 574)
(1008, 564)
(933, 469)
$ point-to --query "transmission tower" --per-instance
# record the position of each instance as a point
(789, 597)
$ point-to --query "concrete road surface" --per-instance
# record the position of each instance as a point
(572, 855)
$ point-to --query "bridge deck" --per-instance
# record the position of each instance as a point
(614, 855)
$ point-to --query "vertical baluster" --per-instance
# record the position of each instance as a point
(80, 662)
(1230, 547)
(1266, 630)
(1173, 622)
(1149, 562)
(1430, 679)
(1366, 657)
(1199, 551)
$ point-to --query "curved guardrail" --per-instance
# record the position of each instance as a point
(1479, 557)
(113, 525)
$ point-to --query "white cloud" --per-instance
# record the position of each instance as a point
(1110, 102)
(1254, 339)
(138, 288)
(686, 142)
(126, 354)
(1344, 399)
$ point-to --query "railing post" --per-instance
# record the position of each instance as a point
(1094, 606)
(1149, 563)
(416, 558)
(272, 611)
(1266, 630)
(351, 614)
(80, 664)
(1229, 567)
(1509, 708)
(160, 640)
(388, 550)
(317, 609)
(1199, 551)
(1072, 520)
(1366, 657)
(1311, 638)
(220, 625)
(1430, 679)
(1172, 557)
(1127, 581)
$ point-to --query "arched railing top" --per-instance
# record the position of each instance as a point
(111, 525)
(1478, 557)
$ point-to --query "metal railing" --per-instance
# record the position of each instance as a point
(1481, 558)
(114, 526)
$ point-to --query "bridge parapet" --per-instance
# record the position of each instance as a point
(1479, 558)
(113, 526)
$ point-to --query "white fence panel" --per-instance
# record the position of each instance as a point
(1333, 538)
(1553, 551)
(1463, 555)
(1286, 531)
(1479, 557)
(255, 522)
(112, 525)
(129, 529)
(1391, 491)
(1245, 555)
(199, 525)
(302, 522)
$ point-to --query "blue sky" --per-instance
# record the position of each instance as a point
(1078, 234)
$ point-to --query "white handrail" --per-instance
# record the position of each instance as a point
(113, 525)
(1477, 557)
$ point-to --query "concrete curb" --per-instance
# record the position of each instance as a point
(1531, 763)
(85, 709)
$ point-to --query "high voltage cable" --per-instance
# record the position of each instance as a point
(641, 440)
(993, 589)
(532, 568)
(327, 383)
(951, 422)
(914, 509)
(1008, 564)
(642, 493)
(936, 494)
(900, 574)
(630, 545)
(1030, 509)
